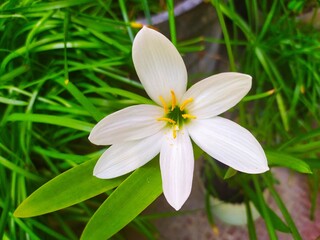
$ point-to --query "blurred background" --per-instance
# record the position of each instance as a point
(64, 65)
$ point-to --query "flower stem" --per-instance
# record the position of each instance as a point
(172, 24)
(216, 4)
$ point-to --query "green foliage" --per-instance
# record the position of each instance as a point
(74, 190)
(67, 64)
(125, 203)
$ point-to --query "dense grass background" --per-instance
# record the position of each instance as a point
(67, 64)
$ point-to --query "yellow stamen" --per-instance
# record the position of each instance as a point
(185, 103)
(189, 116)
(174, 100)
(166, 120)
(164, 104)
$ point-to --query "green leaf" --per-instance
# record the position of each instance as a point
(293, 229)
(50, 119)
(250, 225)
(230, 173)
(137, 192)
(52, 5)
(82, 99)
(70, 187)
(258, 96)
(286, 160)
(263, 209)
(305, 147)
(14, 73)
(313, 162)
(15, 168)
(276, 221)
(283, 111)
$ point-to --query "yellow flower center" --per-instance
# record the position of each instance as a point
(175, 115)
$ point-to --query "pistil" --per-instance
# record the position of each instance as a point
(175, 115)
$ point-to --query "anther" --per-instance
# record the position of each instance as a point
(174, 100)
(166, 120)
(189, 116)
(185, 103)
(164, 104)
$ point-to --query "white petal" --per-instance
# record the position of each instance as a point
(177, 164)
(123, 158)
(229, 143)
(159, 65)
(128, 124)
(216, 94)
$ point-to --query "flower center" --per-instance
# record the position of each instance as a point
(175, 115)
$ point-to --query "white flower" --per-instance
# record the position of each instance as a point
(138, 133)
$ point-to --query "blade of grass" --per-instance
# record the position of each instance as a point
(55, 120)
(250, 223)
(172, 24)
(28, 230)
(264, 210)
(276, 158)
(146, 11)
(224, 29)
(295, 233)
(43, 7)
(126, 18)
(14, 73)
(82, 99)
(15, 168)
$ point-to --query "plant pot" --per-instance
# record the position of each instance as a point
(232, 213)
(226, 196)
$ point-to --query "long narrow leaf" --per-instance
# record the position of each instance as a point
(50, 119)
(264, 210)
(135, 193)
(295, 233)
(70, 187)
(286, 160)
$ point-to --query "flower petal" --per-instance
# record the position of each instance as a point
(229, 143)
(123, 158)
(159, 65)
(216, 94)
(177, 164)
(128, 124)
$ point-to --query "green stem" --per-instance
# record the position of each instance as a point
(264, 210)
(126, 18)
(172, 24)
(224, 29)
(295, 233)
